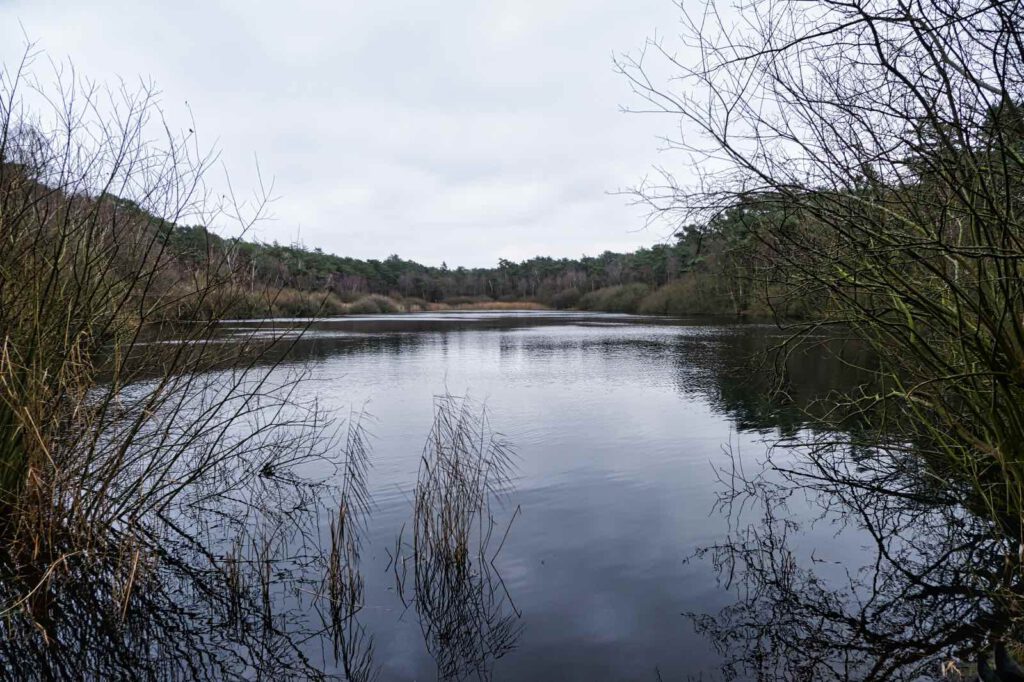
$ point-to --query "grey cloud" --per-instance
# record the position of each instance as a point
(460, 131)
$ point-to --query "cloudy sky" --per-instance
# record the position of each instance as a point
(456, 130)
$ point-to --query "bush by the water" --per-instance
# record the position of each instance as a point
(566, 299)
(373, 304)
(624, 298)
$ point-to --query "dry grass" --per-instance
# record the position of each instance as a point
(488, 305)
(467, 618)
(113, 423)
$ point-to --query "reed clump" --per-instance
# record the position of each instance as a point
(120, 409)
(467, 616)
(343, 579)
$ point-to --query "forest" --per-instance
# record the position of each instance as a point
(714, 269)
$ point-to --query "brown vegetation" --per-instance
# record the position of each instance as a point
(115, 427)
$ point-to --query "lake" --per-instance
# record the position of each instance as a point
(638, 498)
(618, 425)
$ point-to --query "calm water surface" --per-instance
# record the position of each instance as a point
(619, 425)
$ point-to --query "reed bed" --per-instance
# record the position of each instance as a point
(468, 618)
(124, 417)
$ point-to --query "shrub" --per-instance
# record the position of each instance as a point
(374, 304)
(684, 297)
(110, 424)
(624, 298)
(413, 304)
(567, 298)
(364, 306)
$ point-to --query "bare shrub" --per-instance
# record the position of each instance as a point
(122, 408)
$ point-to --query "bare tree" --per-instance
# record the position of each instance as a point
(877, 149)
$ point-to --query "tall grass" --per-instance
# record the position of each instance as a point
(467, 617)
(373, 304)
(353, 647)
(113, 420)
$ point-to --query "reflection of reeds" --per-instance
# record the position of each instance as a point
(353, 648)
(467, 618)
(206, 606)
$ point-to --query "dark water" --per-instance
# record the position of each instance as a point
(618, 425)
(640, 535)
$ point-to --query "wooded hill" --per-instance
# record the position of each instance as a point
(711, 269)
(719, 268)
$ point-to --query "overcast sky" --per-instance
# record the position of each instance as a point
(456, 130)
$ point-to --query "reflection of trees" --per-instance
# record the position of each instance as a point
(466, 615)
(939, 580)
(294, 344)
(935, 586)
(384, 336)
(760, 382)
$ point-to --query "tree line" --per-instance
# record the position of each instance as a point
(705, 269)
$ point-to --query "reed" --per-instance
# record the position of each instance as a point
(353, 647)
(467, 616)
(121, 409)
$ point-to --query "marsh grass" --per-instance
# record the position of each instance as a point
(124, 418)
(467, 616)
(344, 583)
(210, 595)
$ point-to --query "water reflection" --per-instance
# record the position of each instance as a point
(353, 645)
(195, 610)
(763, 382)
(569, 384)
(933, 587)
(839, 562)
(465, 612)
(747, 372)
